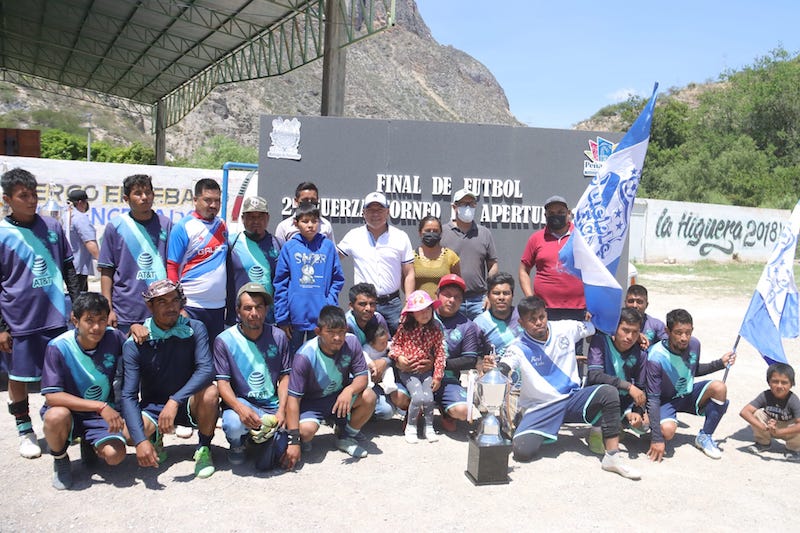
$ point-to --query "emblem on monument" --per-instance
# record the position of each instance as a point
(285, 139)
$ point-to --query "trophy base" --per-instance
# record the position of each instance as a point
(488, 465)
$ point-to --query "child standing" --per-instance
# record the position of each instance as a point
(419, 340)
(307, 278)
(775, 413)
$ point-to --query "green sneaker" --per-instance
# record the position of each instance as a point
(596, 444)
(203, 465)
(158, 444)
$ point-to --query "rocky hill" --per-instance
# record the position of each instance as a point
(401, 73)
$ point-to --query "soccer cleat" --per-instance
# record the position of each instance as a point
(183, 432)
(203, 464)
(350, 446)
(757, 448)
(269, 424)
(792, 456)
(62, 473)
(596, 444)
(29, 446)
(705, 443)
(615, 463)
(236, 455)
(158, 444)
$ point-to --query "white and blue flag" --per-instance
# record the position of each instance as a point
(773, 312)
(601, 221)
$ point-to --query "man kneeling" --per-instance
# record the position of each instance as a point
(550, 391)
(173, 370)
(320, 388)
(77, 383)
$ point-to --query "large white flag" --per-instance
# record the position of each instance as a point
(601, 221)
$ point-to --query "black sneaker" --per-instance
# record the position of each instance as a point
(62, 473)
(792, 456)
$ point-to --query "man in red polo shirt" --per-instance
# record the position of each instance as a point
(561, 292)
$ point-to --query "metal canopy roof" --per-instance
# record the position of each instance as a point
(138, 54)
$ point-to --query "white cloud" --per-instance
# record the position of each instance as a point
(620, 95)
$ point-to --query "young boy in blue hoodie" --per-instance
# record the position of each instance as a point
(307, 278)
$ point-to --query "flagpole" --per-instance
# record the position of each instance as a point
(728, 366)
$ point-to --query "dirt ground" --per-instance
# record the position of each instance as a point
(423, 487)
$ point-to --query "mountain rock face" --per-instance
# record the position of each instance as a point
(401, 73)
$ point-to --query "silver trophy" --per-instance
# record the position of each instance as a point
(489, 448)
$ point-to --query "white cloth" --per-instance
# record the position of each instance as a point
(378, 261)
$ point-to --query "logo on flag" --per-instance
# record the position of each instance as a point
(598, 152)
(601, 221)
(773, 312)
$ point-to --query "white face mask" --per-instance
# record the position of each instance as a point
(466, 213)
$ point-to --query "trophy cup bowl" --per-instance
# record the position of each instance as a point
(487, 462)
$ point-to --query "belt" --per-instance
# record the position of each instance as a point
(383, 300)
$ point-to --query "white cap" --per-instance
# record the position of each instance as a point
(375, 197)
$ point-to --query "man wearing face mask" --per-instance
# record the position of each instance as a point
(561, 292)
(474, 245)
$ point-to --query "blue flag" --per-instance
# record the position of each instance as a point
(601, 221)
(773, 312)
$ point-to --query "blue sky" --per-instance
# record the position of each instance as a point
(559, 62)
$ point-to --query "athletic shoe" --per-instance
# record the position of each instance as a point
(708, 446)
(183, 432)
(448, 423)
(236, 455)
(62, 473)
(615, 463)
(410, 432)
(306, 447)
(430, 434)
(596, 444)
(158, 444)
(757, 449)
(349, 446)
(791, 456)
(88, 454)
(203, 464)
(29, 446)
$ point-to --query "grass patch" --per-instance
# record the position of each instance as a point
(720, 279)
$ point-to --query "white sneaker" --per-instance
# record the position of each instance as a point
(614, 463)
(430, 434)
(183, 432)
(29, 446)
(411, 434)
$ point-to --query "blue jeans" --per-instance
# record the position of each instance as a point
(232, 424)
(472, 306)
(299, 337)
(391, 312)
(384, 409)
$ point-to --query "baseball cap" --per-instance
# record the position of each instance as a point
(452, 279)
(76, 195)
(160, 288)
(461, 193)
(376, 197)
(555, 200)
(254, 288)
(254, 204)
(419, 300)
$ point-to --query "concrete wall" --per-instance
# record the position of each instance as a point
(686, 232)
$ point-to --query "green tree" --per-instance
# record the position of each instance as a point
(219, 150)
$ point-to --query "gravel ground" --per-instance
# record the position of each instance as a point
(423, 487)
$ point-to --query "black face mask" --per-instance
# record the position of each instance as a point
(431, 238)
(556, 222)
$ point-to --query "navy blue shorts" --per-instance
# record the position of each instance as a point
(319, 410)
(213, 319)
(25, 361)
(449, 395)
(182, 418)
(684, 404)
(546, 421)
(90, 427)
